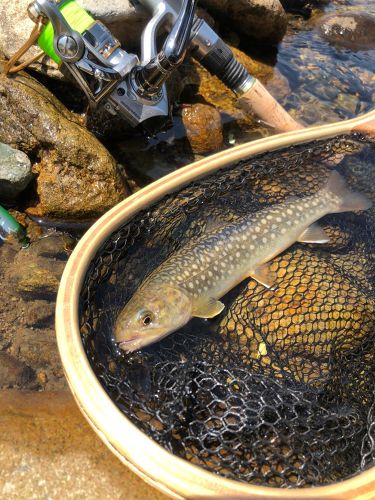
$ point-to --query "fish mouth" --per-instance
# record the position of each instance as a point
(136, 343)
(130, 345)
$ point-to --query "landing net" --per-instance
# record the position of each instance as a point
(279, 389)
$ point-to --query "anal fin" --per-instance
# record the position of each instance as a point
(314, 234)
(207, 307)
(263, 275)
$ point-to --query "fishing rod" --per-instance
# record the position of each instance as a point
(133, 86)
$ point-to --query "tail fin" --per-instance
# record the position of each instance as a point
(349, 201)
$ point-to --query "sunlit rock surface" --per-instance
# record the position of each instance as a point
(76, 175)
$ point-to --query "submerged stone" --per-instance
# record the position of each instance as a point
(14, 373)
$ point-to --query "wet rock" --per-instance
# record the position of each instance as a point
(15, 172)
(76, 176)
(203, 128)
(36, 271)
(27, 334)
(355, 31)
(264, 20)
(14, 373)
(38, 349)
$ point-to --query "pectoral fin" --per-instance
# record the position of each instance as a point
(263, 275)
(207, 307)
(314, 234)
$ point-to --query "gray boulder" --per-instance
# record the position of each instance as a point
(15, 172)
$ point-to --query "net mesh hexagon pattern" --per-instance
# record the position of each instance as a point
(279, 389)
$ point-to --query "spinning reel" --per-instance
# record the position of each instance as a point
(125, 84)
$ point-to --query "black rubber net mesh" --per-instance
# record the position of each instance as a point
(279, 389)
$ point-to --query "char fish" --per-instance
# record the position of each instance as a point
(193, 279)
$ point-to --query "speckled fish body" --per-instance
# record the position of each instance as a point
(190, 282)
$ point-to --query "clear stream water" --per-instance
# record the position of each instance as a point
(327, 82)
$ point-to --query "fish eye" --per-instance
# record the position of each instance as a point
(146, 318)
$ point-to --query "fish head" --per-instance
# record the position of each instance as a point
(151, 314)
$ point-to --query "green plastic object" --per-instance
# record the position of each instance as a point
(9, 228)
(77, 18)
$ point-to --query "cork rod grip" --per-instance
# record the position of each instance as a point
(259, 101)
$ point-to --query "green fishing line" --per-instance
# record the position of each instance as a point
(77, 18)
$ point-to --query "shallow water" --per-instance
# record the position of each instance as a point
(328, 83)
